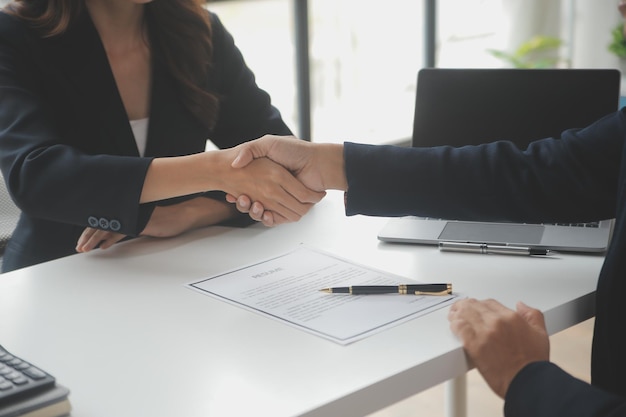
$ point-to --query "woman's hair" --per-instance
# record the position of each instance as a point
(180, 30)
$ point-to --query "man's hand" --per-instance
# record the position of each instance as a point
(295, 155)
(269, 183)
(319, 167)
(500, 341)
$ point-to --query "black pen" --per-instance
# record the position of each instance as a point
(411, 289)
(486, 249)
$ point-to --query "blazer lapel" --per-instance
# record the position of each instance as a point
(172, 131)
(80, 57)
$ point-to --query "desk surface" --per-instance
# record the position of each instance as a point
(120, 329)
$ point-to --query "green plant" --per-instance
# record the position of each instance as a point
(537, 52)
(618, 43)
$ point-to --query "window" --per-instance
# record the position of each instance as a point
(365, 54)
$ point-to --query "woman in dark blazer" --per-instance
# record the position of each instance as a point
(105, 109)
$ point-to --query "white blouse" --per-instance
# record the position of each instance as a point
(140, 131)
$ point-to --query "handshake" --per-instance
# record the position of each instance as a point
(317, 167)
(274, 179)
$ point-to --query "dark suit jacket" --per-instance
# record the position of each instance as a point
(580, 177)
(67, 151)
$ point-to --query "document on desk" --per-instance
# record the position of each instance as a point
(286, 288)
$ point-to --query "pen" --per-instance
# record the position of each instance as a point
(411, 289)
(485, 248)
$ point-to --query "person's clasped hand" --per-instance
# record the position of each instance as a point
(301, 158)
(272, 185)
(498, 340)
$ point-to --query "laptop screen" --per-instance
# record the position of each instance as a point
(471, 106)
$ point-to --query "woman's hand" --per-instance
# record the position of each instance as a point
(173, 220)
(273, 186)
(255, 210)
(92, 238)
(166, 221)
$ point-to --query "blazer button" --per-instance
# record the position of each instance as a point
(104, 223)
(93, 222)
(115, 225)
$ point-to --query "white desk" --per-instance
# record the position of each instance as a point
(122, 332)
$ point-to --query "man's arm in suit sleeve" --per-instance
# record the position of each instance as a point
(542, 389)
(573, 178)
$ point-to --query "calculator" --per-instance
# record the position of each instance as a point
(19, 378)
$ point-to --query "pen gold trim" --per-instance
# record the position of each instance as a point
(446, 292)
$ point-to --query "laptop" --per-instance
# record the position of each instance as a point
(520, 105)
